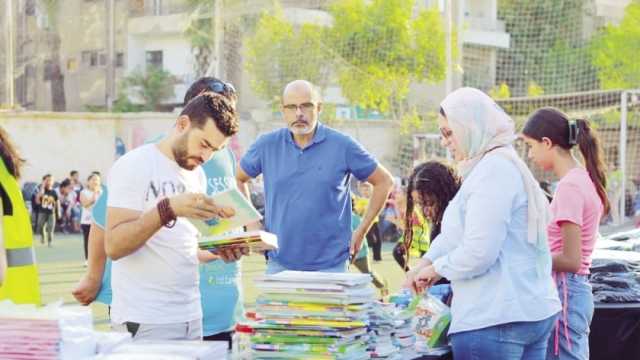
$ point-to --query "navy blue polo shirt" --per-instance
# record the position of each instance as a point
(307, 202)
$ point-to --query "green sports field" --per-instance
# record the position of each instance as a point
(62, 265)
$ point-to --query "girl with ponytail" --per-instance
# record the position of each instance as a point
(578, 205)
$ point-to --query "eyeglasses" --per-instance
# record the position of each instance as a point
(221, 87)
(446, 133)
(304, 107)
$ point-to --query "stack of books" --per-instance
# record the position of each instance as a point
(50, 332)
(312, 315)
(29, 338)
(256, 241)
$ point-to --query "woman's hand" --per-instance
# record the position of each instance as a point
(427, 277)
(412, 277)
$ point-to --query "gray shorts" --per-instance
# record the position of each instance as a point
(190, 330)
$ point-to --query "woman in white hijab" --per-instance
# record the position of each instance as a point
(493, 246)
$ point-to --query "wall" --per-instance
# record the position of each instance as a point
(59, 142)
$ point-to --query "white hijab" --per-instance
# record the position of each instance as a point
(481, 126)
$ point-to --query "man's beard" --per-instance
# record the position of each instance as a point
(181, 152)
(308, 129)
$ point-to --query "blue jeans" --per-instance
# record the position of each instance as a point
(516, 340)
(274, 267)
(579, 312)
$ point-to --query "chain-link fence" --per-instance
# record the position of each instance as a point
(379, 60)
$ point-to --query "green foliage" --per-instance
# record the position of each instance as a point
(152, 87)
(200, 32)
(547, 46)
(615, 51)
(374, 50)
(412, 123)
(534, 89)
(328, 116)
(382, 47)
(51, 9)
(500, 92)
(278, 53)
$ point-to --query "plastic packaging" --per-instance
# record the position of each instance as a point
(431, 322)
(241, 342)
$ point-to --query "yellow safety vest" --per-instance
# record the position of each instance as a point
(21, 283)
(421, 233)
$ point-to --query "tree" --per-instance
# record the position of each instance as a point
(374, 50)
(278, 53)
(201, 33)
(500, 92)
(152, 87)
(615, 51)
(381, 46)
(547, 46)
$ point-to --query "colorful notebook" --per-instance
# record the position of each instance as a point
(256, 241)
(245, 214)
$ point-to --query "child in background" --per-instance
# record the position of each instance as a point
(374, 240)
(362, 262)
(434, 185)
(578, 205)
(421, 233)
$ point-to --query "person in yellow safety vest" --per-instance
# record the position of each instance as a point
(18, 273)
(421, 233)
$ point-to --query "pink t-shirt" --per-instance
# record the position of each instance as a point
(576, 200)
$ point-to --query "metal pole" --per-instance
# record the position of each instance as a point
(10, 48)
(623, 152)
(110, 70)
(448, 50)
(217, 45)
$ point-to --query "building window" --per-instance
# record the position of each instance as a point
(30, 8)
(103, 59)
(119, 59)
(90, 58)
(154, 59)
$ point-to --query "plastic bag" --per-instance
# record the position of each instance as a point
(615, 280)
(431, 322)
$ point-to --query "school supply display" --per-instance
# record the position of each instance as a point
(312, 315)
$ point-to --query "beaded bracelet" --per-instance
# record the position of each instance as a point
(167, 216)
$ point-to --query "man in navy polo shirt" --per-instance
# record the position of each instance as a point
(307, 169)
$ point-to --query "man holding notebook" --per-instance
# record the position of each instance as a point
(152, 190)
(307, 169)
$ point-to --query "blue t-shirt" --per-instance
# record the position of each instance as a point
(308, 203)
(99, 214)
(219, 281)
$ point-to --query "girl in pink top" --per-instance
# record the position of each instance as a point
(578, 205)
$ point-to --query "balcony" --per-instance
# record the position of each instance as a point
(482, 31)
(141, 8)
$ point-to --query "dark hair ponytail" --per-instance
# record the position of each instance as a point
(589, 145)
(555, 125)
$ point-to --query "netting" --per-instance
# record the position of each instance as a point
(377, 60)
(4, 58)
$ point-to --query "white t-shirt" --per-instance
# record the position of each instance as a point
(85, 217)
(158, 283)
